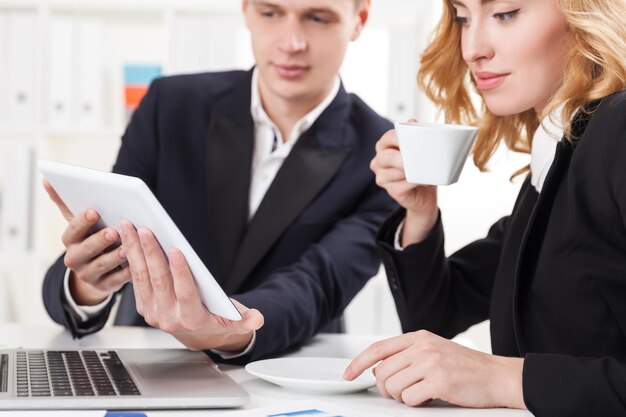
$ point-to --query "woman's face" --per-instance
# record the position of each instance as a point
(515, 51)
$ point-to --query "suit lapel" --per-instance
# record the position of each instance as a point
(230, 141)
(533, 236)
(311, 164)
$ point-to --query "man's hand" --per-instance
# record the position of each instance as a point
(419, 367)
(97, 266)
(168, 299)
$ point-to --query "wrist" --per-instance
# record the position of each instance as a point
(236, 342)
(508, 388)
(84, 294)
(417, 226)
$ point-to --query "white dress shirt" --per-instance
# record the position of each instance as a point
(546, 137)
(270, 148)
(270, 151)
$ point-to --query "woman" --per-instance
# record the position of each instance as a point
(551, 277)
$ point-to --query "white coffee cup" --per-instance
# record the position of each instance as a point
(434, 154)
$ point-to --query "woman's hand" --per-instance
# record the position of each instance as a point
(421, 366)
(420, 201)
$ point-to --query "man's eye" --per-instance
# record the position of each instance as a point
(506, 16)
(269, 14)
(318, 19)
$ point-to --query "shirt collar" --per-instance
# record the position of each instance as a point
(259, 116)
(543, 148)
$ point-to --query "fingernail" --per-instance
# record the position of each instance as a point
(143, 238)
(91, 215)
(347, 375)
(110, 236)
(175, 257)
(125, 229)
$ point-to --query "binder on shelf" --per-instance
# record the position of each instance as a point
(5, 298)
(137, 79)
(402, 90)
(4, 69)
(188, 52)
(60, 73)
(222, 42)
(16, 175)
(21, 72)
(89, 102)
(205, 43)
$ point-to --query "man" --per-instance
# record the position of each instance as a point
(266, 174)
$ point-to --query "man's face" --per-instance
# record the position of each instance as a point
(299, 45)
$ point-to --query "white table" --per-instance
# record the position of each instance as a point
(262, 394)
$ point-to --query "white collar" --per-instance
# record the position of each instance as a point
(545, 139)
(259, 116)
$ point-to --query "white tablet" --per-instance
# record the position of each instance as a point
(120, 197)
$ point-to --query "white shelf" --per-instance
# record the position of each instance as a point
(86, 133)
(19, 4)
(180, 36)
(18, 131)
(153, 6)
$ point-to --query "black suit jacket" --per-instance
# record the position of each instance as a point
(310, 246)
(551, 277)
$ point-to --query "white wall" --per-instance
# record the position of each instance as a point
(380, 67)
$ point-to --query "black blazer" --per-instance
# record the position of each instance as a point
(551, 277)
(311, 245)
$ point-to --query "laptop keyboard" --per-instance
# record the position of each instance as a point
(72, 373)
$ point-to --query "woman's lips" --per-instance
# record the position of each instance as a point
(486, 81)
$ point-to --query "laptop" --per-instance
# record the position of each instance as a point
(114, 379)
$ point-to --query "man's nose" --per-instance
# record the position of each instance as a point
(293, 37)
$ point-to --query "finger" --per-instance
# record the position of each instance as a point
(79, 227)
(388, 368)
(90, 250)
(114, 280)
(93, 270)
(389, 176)
(375, 353)
(390, 158)
(159, 272)
(418, 394)
(400, 188)
(138, 268)
(65, 211)
(402, 380)
(252, 319)
(388, 140)
(189, 303)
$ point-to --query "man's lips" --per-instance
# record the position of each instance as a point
(486, 81)
(291, 71)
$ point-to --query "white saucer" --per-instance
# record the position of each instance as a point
(311, 375)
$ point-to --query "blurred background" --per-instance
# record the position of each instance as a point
(71, 72)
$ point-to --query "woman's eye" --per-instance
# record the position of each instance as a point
(460, 20)
(506, 16)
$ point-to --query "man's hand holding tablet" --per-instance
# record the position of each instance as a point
(166, 293)
(168, 299)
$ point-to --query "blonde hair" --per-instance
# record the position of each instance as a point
(595, 67)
